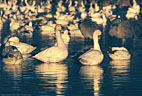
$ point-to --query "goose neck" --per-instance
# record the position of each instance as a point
(96, 43)
(70, 3)
(134, 2)
(26, 2)
(60, 42)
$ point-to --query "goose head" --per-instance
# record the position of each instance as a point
(83, 15)
(66, 32)
(76, 3)
(97, 33)
(14, 39)
(58, 27)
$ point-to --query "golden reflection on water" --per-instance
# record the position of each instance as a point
(54, 74)
(120, 71)
(93, 75)
(14, 70)
(14, 74)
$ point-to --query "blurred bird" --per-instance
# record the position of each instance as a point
(119, 53)
(11, 55)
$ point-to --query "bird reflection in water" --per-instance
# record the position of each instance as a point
(120, 72)
(92, 74)
(55, 75)
(14, 74)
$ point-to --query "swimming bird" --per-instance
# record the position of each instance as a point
(94, 56)
(11, 55)
(119, 53)
(55, 53)
(125, 29)
(87, 28)
(24, 48)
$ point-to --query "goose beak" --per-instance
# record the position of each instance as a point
(99, 37)
(110, 47)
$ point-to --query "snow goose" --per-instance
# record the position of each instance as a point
(41, 8)
(48, 5)
(11, 55)
(61, 19)
(100, 19)
(56, 53)
(66, 37)
(97, 8)
(81, 7)
(30, 7)
(119, 53)
(60, 7)
(83, 15)
(24, 48)
(29, 28)
(94, 56)
(133, 11)
(91, 9)
(14, 24)
(70, 7)
(73, 26)
(75, 4)
(48, 28)
(1, 23)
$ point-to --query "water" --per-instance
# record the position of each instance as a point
(69, 77)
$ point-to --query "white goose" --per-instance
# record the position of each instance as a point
(70, 7)
(48, 29)
(119, 53)
(97, 8)
(14, 24)
(56, 53)
(133, 11)
(99, 19)
(94, 56)
(66, 37)
(24, 48)
(1, 23)
(81, 7)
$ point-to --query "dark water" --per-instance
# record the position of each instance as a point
(69, 77)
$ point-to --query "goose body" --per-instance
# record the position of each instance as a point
(24, 48)
(56, 53)
(94, 56)
(119, 53)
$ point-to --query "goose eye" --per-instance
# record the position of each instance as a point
(11, 55)
(13, 47)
